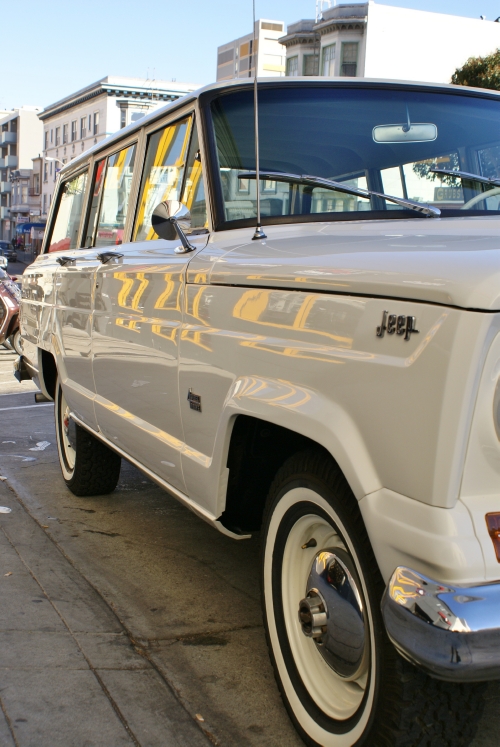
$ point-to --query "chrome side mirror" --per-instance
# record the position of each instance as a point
(170, 219)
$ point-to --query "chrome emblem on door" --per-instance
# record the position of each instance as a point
(399, 325)
(194, 401)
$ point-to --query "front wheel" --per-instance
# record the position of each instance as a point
(341, 679)
(89, 467)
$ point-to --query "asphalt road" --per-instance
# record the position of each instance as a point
(15, 268)
(125, 619)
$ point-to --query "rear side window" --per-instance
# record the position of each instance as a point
(69, 213)
(110, 198)
(163, 172)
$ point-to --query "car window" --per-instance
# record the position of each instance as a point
(385, 140)
(69, 212)
(95, 200)
(193, 195)
(163, 172)
(110, 198)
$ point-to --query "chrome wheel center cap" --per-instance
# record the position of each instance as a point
(312, 616)
(332, 613)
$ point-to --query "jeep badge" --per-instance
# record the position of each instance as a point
(401, 325)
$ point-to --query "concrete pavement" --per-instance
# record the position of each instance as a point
(70, 674)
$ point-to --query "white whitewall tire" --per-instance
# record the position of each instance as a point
(366, 694)
(88, 466)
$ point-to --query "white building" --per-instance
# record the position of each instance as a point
(381, 41)
(85, 117)
(20, 141)
(236, 59)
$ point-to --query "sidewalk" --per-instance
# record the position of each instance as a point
(69, 673)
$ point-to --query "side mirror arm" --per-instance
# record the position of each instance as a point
(186, 244)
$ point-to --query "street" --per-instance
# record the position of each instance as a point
(124, 619)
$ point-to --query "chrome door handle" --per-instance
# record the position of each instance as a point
(65, 260)
(106, 256)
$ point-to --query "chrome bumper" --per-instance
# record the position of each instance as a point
(451, 632)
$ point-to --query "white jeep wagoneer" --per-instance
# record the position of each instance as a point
(333, 384)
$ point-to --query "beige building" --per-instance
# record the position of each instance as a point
(20, 141)
(372, 40)
(87, 116)
(236, 59)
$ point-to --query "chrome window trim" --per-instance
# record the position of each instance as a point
(55, 204)
(183, 113)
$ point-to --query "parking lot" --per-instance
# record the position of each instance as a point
(124, 619)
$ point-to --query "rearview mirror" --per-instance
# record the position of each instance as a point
(166, 215)
(402, 133)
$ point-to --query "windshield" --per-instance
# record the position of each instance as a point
(387, 141)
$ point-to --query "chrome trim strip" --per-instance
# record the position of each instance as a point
(452, 632)
(182, 497)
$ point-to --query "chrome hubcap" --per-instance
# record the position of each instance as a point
(66, 435)
(332, 613)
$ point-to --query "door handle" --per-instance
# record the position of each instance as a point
(65, 260)
(106, 256)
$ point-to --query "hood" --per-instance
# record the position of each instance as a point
(451, 261)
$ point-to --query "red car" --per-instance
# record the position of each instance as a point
(10, 296)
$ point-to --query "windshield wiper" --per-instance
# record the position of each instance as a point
(466, 175)
(318, 181)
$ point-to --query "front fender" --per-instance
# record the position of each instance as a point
(297, 408)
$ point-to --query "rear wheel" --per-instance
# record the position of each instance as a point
(16, 342)
(340, 678)
(88, 466)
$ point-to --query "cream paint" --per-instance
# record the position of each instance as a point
(312, 362)
(73, 311)
(438, 542)
(135, 338)
(451, 261)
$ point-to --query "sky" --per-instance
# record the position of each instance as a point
(54, 48)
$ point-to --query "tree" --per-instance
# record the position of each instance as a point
(480, 72)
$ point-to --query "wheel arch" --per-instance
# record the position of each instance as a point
(289, 419)
(47, 373)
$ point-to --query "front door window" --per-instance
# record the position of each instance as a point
(163, 173)
(193, 195)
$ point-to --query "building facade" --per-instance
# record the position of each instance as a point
(87, 116)
(381, 41)
(237, 59)
(20, 140)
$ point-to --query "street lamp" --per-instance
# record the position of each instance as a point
(51, 158)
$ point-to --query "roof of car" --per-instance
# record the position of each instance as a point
(230, 85)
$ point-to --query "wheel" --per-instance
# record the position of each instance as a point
(16, 342)
(341, 680)
(88, 466)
